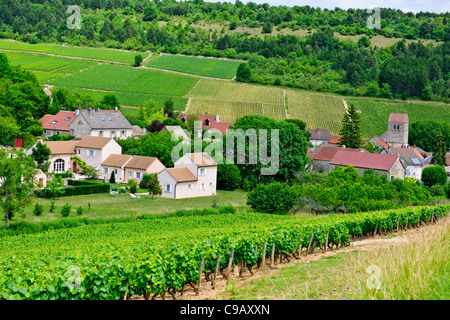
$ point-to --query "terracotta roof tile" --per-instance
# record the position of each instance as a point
(181, 174)
(335, 139)
(202, 159)
(139, 162)
(381, 142)
(364, 160)
(61, 147)
(93, 142)
(59, 121)
(327, 152)
(398, 117)
(116, 160)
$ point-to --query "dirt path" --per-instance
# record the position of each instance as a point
(207, 292)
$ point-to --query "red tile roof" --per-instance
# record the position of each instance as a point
(212, 122)
(381, 142)
(374, 161)
(327, 152)
(398, 117)
(58, 121)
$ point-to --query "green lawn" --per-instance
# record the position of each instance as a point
(209, 67)
(107, 206)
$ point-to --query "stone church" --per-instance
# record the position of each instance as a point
(397, 134)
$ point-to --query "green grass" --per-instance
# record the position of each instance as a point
(38, 62)
(209, 67)
(415, 270)
(81, 52)
(122, 205)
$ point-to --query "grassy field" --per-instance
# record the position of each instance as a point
(417, 269)
(80, 52)
(107, 206)
(209, 67)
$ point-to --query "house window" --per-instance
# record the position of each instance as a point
(59, 165)
(130, 174)
(106, 170)
(113, 134)
(206, 122)
(202, 172)
(212, 184)
(138, 175)
(123, 134)
(91, 153)
(100, 133)
(202, 187)
(80, 122)
(168, 188)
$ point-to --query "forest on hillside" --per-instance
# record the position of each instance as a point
(319, 61)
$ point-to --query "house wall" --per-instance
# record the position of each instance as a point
(119, 173)
(80, 130)
(396, 137)
(111, 133)
(100, 155)
(321, 164)
(49, 132)
(413, 172)
(397, 170)
(155, 167)
(65, 157)
(166, 179)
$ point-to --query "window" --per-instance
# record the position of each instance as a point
(168, 188)
(101, 118)
(123, 134)
(109, 118)
(113, 134)
(67, 119)
(80, 122)
(100, 133)
(59, 165)
(54, 121)
(212, 184)
(92, 153)
(202, 187)
(106, 170)
(206, 122)
(202, 172)
(130, 174)
(138, 175)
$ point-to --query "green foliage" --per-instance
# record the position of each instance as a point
(439, 151)
(158, 144)
(228, 177)
(79, 211)
(41, 154)
(65, 211)
(244, 73)
(267, 28)
(60, 137)
(423, 133)
(350, 132)
(112, 178)
(132, 184)
(434, 175)
(153, 185)
(137, 60)
(272, 198)
(38, 209)
(214, 204)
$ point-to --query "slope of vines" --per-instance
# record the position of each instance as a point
(153, 256)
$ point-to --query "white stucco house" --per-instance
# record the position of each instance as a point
(60, 154)
(95, 150)
(193, 175)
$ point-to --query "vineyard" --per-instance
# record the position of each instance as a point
(159, 256)
(208, 67)
(72, 51)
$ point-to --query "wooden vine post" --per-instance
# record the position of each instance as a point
(213, 280)
(326, 244)
(272, 256)
(309, 245)
(202, 262)
(375, 232)
(299, 254)
(398, 223)
(230, 263)
(263, 264)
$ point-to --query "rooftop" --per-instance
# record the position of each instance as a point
(140, 162)
(181, 174)
(327, 152)
(319, 134)
(116, 160)
(93, 142)
(59, 121)
(374, 161)
(105, 119)
(398, 118)
(61, 147)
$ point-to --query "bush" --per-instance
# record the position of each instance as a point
(228, 177)
(272, 198)
(227, 209)
(133, 185)
(143, 184)
(38, 209)
(65, 211)
(112, 179)
(434, 175)
(447, 189)
(79, 211)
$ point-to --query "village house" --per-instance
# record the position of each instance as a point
(334, 141)
(379, 143)
(362, 161)
(100, 123)
(60, 154)
(58, 123)
(138, 165)
(193, 175)
(116, 163)
(319, 136)
(95, 150)
(177, 132)
(210, 122)
(321, 158)
(411, 159)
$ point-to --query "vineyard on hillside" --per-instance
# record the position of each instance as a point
(71, 51)
(159, 255)
(209, 67)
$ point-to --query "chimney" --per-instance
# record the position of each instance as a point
(217, 118)
(77, 111)
(90, 111)
(317, 130)
(115, 108)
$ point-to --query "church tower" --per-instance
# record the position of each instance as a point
(397, 133)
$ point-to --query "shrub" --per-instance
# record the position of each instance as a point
(38, 209)
(434, 175)
(227, 209)
(447, 189)
(133, 185)
(143, 184)
(228, 177)
(272, 198)
(79, 211)
(112, 179)
(65, 211)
